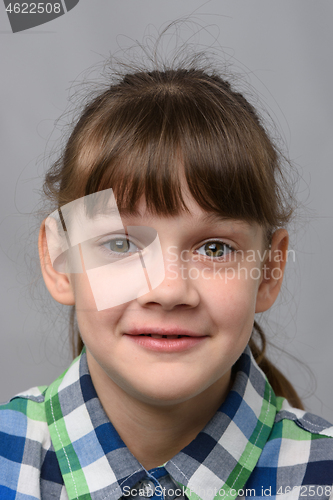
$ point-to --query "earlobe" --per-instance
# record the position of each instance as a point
(57, 283)
(273, 271)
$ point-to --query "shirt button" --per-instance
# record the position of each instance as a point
(148, 488)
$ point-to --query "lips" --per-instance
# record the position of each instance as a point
(160, 332)
(156, 336)
(165, 339)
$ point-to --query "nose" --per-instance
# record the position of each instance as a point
(177, 288)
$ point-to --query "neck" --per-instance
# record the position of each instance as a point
(154, 433)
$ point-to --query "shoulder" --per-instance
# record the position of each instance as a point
(299, 450)
(24, 442)
(24, 409)
(23, 416)
(307, 423)
(29, 466)
(297, 458)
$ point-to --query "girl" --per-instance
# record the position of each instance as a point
(167, 236)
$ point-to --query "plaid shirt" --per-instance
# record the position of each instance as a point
(56, 443)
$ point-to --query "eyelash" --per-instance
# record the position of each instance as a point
(118, 254)
(129, 242)
(223, 244)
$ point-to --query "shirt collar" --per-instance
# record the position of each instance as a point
(94, 459)
(225, 452)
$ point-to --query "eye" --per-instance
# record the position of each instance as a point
(120, 246)
(216, 248)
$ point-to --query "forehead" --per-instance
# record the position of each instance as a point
(195, 218)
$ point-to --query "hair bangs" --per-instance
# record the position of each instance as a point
(168, 137)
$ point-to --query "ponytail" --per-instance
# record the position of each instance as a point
(75, 337)
(281, 386)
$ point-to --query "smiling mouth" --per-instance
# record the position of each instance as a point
(156, 336)
(163, 343)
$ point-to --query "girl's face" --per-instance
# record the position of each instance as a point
(213, 271)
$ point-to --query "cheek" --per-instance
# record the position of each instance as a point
(84, 299)
(231, 300)
(92, 322)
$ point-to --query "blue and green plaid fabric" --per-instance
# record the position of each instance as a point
(56, 443)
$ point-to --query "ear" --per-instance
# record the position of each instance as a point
(57, 283)
(273, 271)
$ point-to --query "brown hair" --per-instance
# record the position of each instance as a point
(131, 136)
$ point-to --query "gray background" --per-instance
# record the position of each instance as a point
(284, 49)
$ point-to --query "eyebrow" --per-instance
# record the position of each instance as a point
(214, 217)
(208, 218)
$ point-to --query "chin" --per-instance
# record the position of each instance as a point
(164, 393)
(166, 398)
